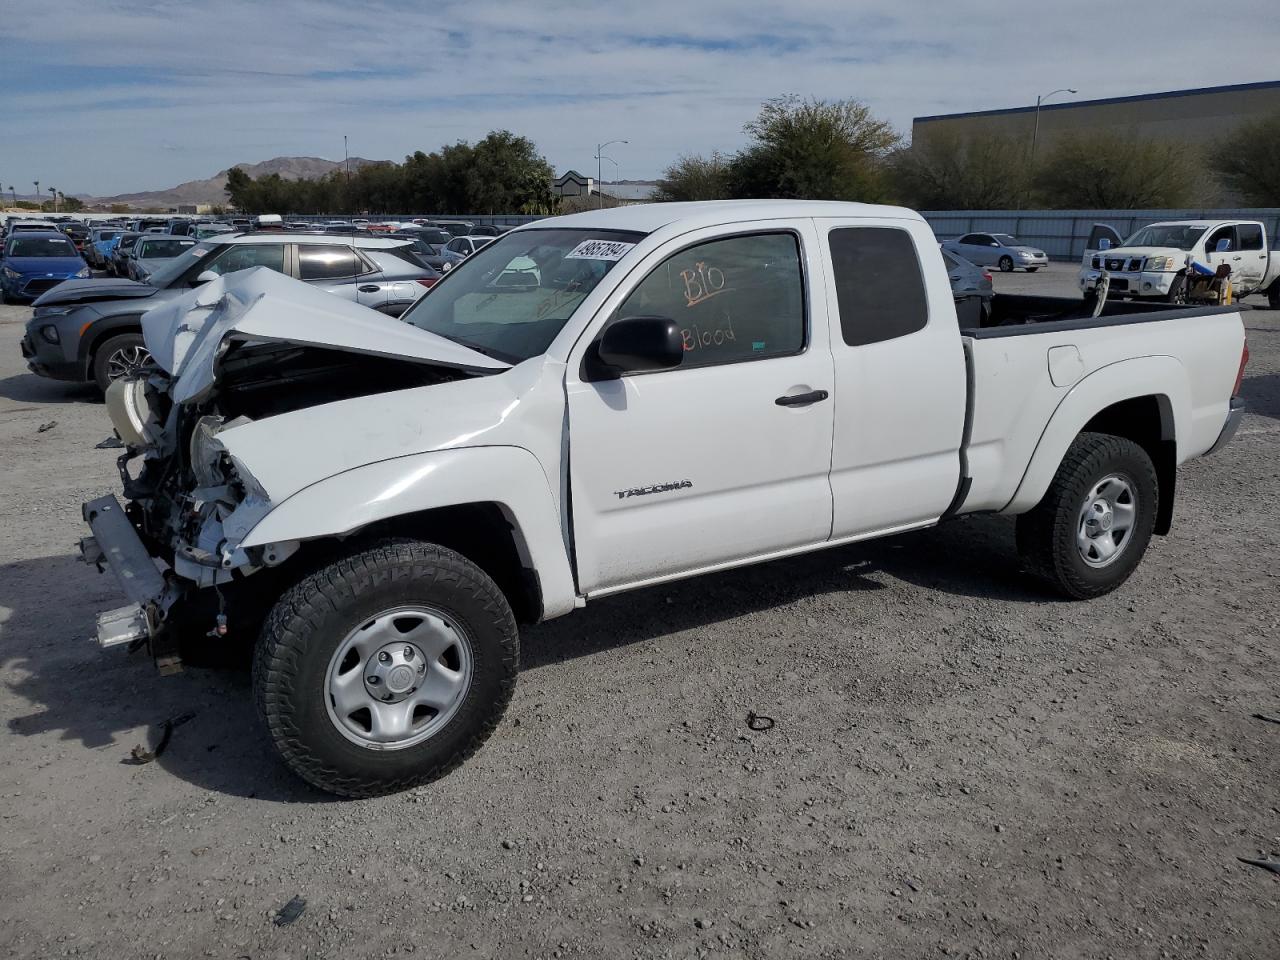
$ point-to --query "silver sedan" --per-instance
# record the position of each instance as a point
(998, 250)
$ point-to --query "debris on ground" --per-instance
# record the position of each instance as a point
(758, 721)
(140, 754)
(290, 912)
(1272, 865)
(111, 443)
(45, 427)
(1267, 717)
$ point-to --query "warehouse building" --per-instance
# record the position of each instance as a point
(1198, 115)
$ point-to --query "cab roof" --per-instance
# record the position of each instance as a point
(648, 217)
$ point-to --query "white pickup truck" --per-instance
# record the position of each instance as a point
(598, 403)
(1155, 261)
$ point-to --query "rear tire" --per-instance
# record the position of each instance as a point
(329, 634)
(1091, 529)
(1006, 264)
(118, 357)
(1273, 296)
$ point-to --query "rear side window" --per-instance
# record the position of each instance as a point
(322, 261)
(879, 285)
(741, 298)
(1249, 235)
(242, 256)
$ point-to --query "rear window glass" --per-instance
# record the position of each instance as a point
(879, 285)
(163, 249)
(1250, 235)
(323, 261)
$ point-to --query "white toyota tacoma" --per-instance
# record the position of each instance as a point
(598, 403)
(1155, 262)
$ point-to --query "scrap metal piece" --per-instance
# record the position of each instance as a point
(123, 625)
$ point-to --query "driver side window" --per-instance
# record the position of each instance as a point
(242, 256)
(740, 298)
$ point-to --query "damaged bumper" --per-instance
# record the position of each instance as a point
(115, 544)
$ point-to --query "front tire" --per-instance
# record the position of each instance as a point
(119, 357)
(385, 669)
(1006, 264)
(1178, 290)
(1091, 529)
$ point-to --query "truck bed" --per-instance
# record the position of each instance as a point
(1024, 367)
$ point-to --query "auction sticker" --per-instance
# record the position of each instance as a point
(599, 250)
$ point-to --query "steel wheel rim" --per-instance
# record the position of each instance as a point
(126, 361)
(1106, 521)
(398, 678)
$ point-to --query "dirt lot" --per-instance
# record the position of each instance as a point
(961, 766)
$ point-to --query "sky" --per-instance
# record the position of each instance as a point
(117, 96)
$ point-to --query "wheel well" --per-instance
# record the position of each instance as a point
(1148, 422)
(89, 347)
(481, 532)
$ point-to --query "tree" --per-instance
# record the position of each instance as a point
(240, 189)
(1248, 162)
(1112, 171)
(695, 178)
(947, 172)
(813, 149)
(507, 174)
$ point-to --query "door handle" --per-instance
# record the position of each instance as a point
(801, 399)
(369, 288)
(1235, 258)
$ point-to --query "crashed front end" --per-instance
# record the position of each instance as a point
(234, 352)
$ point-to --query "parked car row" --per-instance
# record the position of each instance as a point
(90, 330)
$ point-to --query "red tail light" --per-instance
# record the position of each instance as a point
(986, 276)
(1244, 359)
(428, 281)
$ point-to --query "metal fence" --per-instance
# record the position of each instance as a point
(1062, 233)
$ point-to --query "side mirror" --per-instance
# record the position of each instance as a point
(1222, 246)
(206, 276)
(1104, 243)
(635, 344)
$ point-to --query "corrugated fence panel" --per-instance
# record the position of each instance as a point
(1062, 234)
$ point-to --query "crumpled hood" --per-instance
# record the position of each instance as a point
(86, 291)
(186, 336)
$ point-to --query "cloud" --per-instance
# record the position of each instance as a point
(110, 97)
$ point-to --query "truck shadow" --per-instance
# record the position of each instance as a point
(1262, 394)
(29, 388)
(62, 688)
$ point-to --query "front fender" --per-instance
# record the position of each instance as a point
(1163, 377)
(508, 476)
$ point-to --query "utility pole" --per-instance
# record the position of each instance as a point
(13, 191)
(1035, 130)
(346, 162)
(600, 165)
(37, 183)
(53, 191)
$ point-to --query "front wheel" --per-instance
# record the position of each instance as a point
(1089, 532)
(385, 669)
(1006, 264)
(1178, 290)
(119, 357)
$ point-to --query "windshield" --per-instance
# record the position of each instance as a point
(175, 268)
(511, 298)
(106, 234)
(162, 249)
(41, 247)
(1180, 235)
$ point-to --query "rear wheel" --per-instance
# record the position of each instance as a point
(385, 669)
(1273, 296)
(119, 357)
(1006, 264)
(1089, 532)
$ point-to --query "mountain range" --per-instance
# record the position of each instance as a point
(213, 190)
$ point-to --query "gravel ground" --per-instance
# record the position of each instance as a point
(961, 765)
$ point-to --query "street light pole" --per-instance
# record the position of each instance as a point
(600, 165)
(37, 183)
(1035, 131)
(53, 192)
